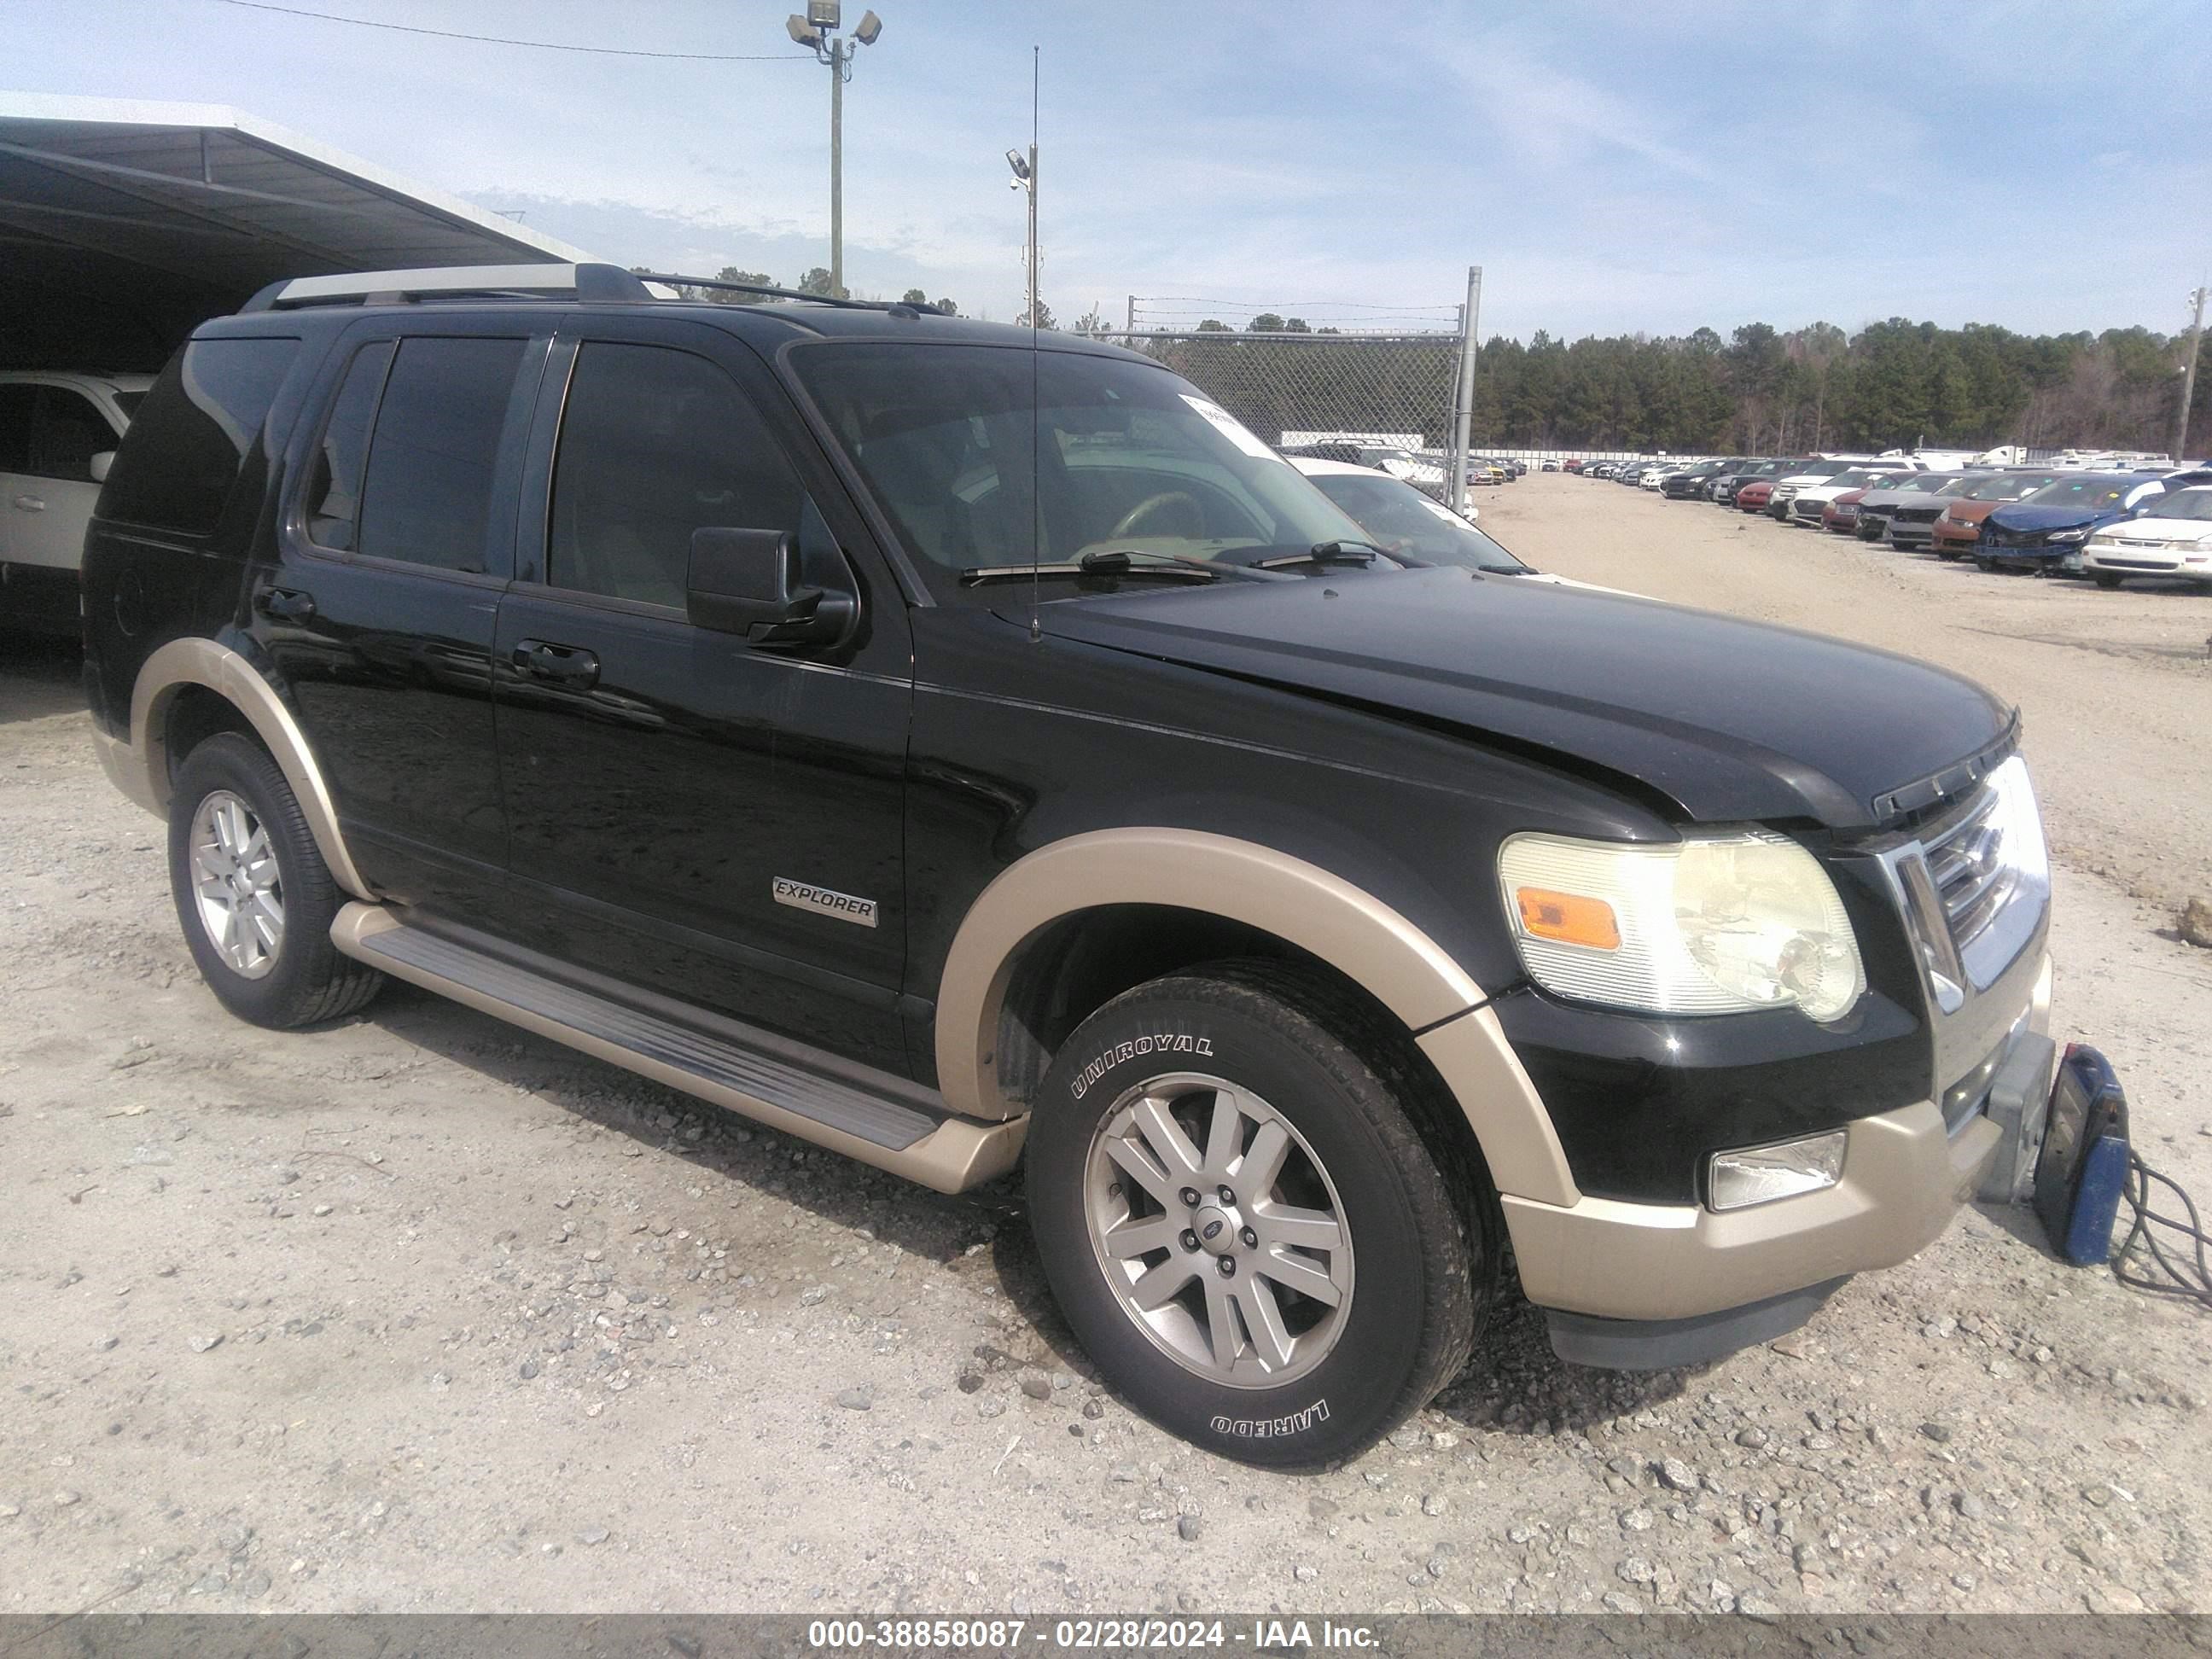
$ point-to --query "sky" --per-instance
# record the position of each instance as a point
(1613, 169)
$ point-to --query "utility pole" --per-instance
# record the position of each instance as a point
(2189, 378)
(1470, 332)
(817, 29)
(841, 56)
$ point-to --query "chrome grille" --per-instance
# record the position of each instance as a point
(1966, 859)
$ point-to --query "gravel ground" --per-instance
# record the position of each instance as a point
(422, 1313)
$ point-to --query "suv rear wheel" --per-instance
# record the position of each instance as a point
(253, 892)
(1242, 1222)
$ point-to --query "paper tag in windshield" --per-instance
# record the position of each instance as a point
(1229, 427)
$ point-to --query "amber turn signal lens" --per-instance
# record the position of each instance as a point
(1568, 918)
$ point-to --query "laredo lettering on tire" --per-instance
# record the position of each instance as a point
(1242, 1222)
(252, 891)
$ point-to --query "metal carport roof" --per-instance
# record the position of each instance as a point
(123, 224)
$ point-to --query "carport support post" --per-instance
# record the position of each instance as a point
(1463, 409)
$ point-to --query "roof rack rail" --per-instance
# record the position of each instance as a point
(599, 283)
(773, 293)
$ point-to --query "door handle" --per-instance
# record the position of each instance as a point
(285, 603)
(564, 665)
(31, 504)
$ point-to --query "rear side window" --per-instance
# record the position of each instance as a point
(67, 433)
(654, 444)
(427, 493)
(16, 403)
(194, 433)
(334, 488)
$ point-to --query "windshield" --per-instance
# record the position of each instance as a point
(2085, 492)
(2010, 486)
(2185, 504)
(1133, 459)
(1402, 522)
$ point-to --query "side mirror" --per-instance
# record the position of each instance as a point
(98, 465)
(749, 582)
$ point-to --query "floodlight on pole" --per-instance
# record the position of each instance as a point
(817, 31)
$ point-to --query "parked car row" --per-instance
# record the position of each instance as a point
(2106, 525)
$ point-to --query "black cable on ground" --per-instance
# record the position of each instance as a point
(2189, 1279)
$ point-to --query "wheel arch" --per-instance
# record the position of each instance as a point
(1223, 891)
(165, 694)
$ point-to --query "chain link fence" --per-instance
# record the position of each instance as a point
(1323, 391)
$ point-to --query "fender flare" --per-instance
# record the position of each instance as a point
(141, 766)
(1300, 903)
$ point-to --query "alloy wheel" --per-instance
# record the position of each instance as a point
(1218, 1231)
(236, 885)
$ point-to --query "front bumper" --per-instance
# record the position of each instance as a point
(1679, 1278)
(1904, 1178)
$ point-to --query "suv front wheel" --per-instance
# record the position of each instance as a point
(1242, 1225)
(253, 892)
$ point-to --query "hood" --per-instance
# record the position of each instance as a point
(1970, 512)
(2018, 515)
(1732, 720)
(2151, 528)
(1901, 497)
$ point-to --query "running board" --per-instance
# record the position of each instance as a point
(873, 1117)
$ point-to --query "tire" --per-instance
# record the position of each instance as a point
(1949, 555)
(1987, 566)
(2106, 578)
(1415, 1276)
(302, 980)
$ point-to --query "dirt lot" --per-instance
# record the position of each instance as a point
(422, 1313)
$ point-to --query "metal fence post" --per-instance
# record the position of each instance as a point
(1464, 414)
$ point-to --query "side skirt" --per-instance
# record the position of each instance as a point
(880, 1120)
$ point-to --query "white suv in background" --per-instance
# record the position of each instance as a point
(58, 430)
(2174, 538)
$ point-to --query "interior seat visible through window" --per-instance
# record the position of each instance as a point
(656, 443)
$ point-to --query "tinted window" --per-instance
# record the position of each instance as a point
(127, 402)
(428, 496)
(654, 444)
(1133, 458)
(67, 433)
(16, 403)
(334, 486)
(1402, 520)
(194, 432)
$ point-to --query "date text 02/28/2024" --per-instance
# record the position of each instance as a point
(1012, 1635)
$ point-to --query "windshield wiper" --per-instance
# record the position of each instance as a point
(1121, 560)
(1336, 552)
(1118, 562)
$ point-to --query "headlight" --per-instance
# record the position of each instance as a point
(1706, 925)
(2059, 538)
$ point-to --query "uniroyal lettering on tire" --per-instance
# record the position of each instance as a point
(1241, 1222)
(1166, 1042)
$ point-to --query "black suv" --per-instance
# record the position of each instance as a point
(958, 747)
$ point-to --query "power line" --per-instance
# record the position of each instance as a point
(506, 40)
